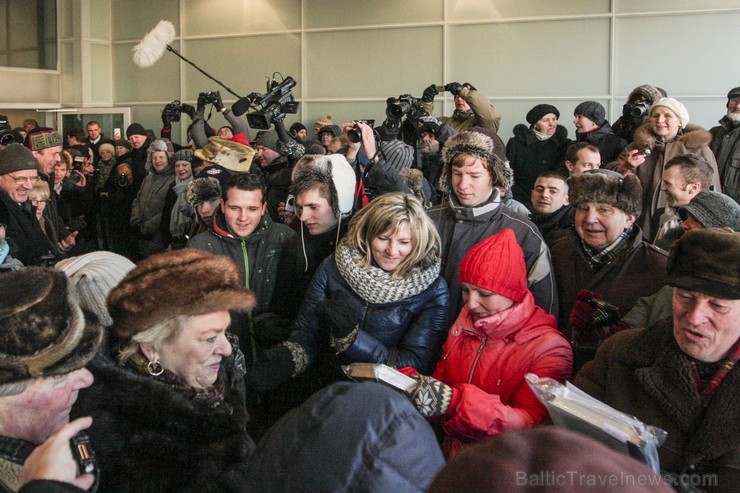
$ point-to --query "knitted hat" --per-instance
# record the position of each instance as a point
(545, 459)
(333, 169)
(182, 282)
(267, 139)
(606, 187)
(535, 114)
(675, 106)
(123, 143)
(734, 92)
(496, 264)
(107, 147)
(592, 110)
(295, 128)
(398, 154)
(202, 190)
(184, 154)
(227, 153)
(136, 129)
(43, 331)
(16, 157)
(707, 261)
(94, 275)
(713, 210)
(648, 92)
(41, 138)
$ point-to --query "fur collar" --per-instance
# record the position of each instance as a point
(693, 137)
(664, 372)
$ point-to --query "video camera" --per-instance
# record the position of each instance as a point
(172, 111)
(6, 132)
(404, 105)
(273, 105)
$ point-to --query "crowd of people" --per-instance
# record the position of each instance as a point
(201, 301)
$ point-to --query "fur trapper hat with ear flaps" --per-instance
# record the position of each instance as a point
(227, 153)
(183, 282)
(333, 169)
(43, 330)
(606, 187)
(476, 144)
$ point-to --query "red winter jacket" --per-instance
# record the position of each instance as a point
(485, 361)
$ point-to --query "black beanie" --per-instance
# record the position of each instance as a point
(539, 111)
(135, 129)
(592, 110)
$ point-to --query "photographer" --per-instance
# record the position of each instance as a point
(201, 131)
(472, 109)
(116, 200)
(635, 110)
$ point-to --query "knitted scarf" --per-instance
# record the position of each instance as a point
(182, 213)
(375, 285)
(599, 258)
(541, 135)
(708, 388)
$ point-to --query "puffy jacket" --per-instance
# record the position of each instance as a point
(485, 361)
(415, 326)
(146, 211)
(530, 156)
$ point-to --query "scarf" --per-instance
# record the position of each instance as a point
(375, 285)
(211, 397)
(540, 135)
(182, 214)
(706, 388)
(599, 258)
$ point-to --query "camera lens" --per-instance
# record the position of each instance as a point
(6, 138)
(354, 135)
(75, 178)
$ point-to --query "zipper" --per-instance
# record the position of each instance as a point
(477, 357)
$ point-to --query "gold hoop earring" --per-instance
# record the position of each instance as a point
(154, 368)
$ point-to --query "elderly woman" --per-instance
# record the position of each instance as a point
(169, 411)
(478, 388)
(536, 149)
(603, 256)
(379, 296)
(680, 374)
(177, 215)
(666, 134)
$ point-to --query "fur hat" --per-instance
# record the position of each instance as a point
(592, 110)
(202, 190)
(675, 106)
(707, 261)
(105, 146)
(496, 264)
(41, 138)
(227, 153)
(398, 154)
(267, 139)
(16, 157)
(183, 154)
(159, 145)
(713, 210)
(544, 459)
(94, 275)
(182, 282)
(323, 121)
(123, 143)
(606, 187)
(648, 92)
(472, 143)
(136, 129)
(535, 114)
(43, 330)
(333, 169)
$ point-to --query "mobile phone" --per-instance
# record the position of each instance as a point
(117, 133)
(83, 454)
(290, 204)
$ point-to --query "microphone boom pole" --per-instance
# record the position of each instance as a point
(171, 49)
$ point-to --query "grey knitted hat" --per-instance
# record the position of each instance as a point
(592, 110)
(713, 210)
(398, 154)
(16, 157)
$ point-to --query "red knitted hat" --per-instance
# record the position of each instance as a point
(497, 264)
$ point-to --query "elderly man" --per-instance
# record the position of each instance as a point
(18, 174)
(46, 342)
(726, 146)
(680, 374)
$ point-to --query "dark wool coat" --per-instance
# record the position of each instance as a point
(726, 146)
(610, 145)
(149, 438)
(29, 241)
(529, 157)
(643, 372)
(554, 225)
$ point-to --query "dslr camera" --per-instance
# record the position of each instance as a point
(635, 110)
(403, 105)
(354, 135)
(604, 313)
(207, 98)
(172, 111)
(6, 132)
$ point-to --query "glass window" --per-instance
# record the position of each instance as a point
(28, 37)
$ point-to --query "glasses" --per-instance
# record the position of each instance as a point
(20, 180)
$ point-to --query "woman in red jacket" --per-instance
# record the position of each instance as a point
(478, 389)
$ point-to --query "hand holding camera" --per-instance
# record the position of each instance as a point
(429, 93)
(454, 87)
(591, 317)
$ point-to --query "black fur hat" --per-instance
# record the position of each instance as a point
(202, 190)
(43, 330)
(606, 187)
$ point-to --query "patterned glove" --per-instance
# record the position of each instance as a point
(431, 397)
(291, 148)
(429, 93)
(454, 87)
(338, 313)
(592, 319)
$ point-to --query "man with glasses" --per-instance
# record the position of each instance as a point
(18, 174)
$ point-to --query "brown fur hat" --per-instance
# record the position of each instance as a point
(477, 144)
(707, 261)
(43, 330)
(182, 282)
(606, 187)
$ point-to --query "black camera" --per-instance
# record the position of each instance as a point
(354, 135)
(604, 313)
(48, 260)
(635, 110)
(397, 108)
(207, 98)
(273, 105)
(121, 181)
(172, 111)
(6, 133)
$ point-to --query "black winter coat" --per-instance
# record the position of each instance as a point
(529, 157)
(610, 145)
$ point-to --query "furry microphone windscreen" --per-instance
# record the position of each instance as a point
(152, 46)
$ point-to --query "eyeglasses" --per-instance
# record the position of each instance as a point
(20, 180)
